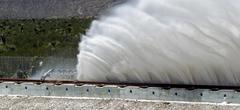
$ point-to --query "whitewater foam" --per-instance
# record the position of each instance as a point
(164, 41)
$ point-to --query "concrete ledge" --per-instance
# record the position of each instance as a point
(115, 92)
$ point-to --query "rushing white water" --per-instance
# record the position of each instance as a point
(164, 41)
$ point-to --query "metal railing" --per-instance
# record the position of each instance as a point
(12, 64)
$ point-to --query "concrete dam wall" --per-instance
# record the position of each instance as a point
(28, 9)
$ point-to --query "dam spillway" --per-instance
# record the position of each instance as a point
(129, 86)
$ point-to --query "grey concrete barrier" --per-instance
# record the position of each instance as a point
(116, 92)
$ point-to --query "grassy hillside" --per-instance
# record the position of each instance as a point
(41, 37)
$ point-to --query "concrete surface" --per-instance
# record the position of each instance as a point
(26, 9)
(53, 103)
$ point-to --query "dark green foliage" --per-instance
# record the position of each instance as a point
(6, 74)
(41, 37)
(22, 74)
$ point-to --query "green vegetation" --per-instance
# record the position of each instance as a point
(41, 37)
(6, 74)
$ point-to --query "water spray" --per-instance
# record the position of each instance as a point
(164, 41)
(47, 74)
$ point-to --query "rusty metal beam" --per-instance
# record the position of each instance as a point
(121, 84)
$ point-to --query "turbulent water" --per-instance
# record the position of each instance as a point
(164, 41)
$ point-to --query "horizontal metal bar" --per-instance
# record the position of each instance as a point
(120, 84)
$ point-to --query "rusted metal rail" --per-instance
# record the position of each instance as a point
(142, 85)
